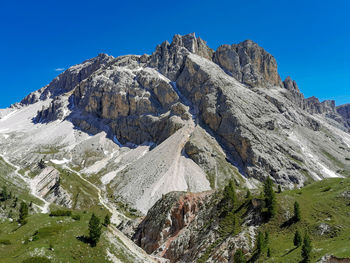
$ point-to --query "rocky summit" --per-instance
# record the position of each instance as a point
(161, 134)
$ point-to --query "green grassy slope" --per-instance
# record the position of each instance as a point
(320, 202)
(55, 238)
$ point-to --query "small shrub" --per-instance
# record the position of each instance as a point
(328, 188)
(5, 242)
(35, 236)
(107, 220)
(76, 217)
(61, 213)
(239, 257)
(37, 260)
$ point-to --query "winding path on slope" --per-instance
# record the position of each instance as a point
(116, 216)
(116, 219)
(31, 184)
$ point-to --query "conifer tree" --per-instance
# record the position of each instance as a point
(239, 257)
(4, 193)
(297, 214)
(15, 203)
(270, 198)
(107, 220)
(229, 199)
(248, 195)
(306, 249)
(23, 213)
(10, 215)
(94, 230)
(260, 243)
(41, 164)
(279, 189)
(297, 239)
(266, 238)
(230, 194)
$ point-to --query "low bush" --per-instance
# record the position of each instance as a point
(37, 260)
(76, 217)
(5, 242)
(61, 213)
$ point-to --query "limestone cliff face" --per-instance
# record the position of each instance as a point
(168, 58)
(47, 185)
(234, 94)
(248, 63)
(135, 101)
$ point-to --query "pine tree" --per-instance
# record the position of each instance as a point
(239, 257)
(260, 243)
(306, 249)
(270, 198)
(297, 239)
(23, 213)
(94, 230)
(41, 164)
(107, 220)
(279, 189)
(15, 202)
(297, 214)
(4, 193)
(248, 195)
(230, 194)
(229, 199)
(10, 215)
(266, 238)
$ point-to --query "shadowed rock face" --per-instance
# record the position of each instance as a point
(344, 111)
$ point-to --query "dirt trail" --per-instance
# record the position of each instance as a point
(117, 219)
(31, 184)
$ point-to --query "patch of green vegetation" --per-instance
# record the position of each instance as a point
(127, 211)
(48, 150)
(333, 159)
(208, 251)
(36, 260)
(5, 242)
(320, 203)
(61, 213)
(299, 162)
(15, 185)
(211, 178)
(83, 194)
(56, 238)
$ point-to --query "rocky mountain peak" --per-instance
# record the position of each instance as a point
(291, 85)
(344, 111)
(194, 45)
(248, 63)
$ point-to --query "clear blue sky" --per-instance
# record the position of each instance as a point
(309, 39)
